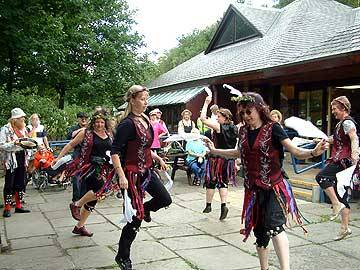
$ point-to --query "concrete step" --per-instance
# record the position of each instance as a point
(303, 184)
(303, 194)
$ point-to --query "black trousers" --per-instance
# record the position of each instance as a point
(160, 198)
(15, 180)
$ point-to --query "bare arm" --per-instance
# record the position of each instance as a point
(162, 163)
(354, 145)
(208, 122)
(226, 153)
(301, 153)
(77, 140)
(123, 182)
(180, 127)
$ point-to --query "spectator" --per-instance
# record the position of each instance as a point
(158, 115)
(82, 119)
(15, 159)
(37, 131)
(159, 131)
(196, 158)
(276, 116)
(214, 109)
(186, 124)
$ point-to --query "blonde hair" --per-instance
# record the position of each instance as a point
(278, 113)
(131, 93)
(186, 111)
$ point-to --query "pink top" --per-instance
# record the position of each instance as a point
(158, 129)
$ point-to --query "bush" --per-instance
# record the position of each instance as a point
(55, 120)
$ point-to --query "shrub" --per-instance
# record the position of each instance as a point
(55, 120)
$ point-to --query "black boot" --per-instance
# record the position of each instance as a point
(207, 208)
(124, 264)
(224, 211)
(147, 217)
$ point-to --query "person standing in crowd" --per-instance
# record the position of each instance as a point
(133, 162)
(276, 116)
(195, 159)
(91, 166)
(158, 115)
(82, 120)
(219, 171)
(159, 131)
(204, 130)
(185, 124)
(37, 132)
(268, 200)
(344, 153)
(15, 159)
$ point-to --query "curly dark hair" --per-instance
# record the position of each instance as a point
(250, 100)
(101, 114)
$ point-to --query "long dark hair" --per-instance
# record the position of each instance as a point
(250, 100)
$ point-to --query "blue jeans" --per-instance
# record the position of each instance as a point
(197, 169)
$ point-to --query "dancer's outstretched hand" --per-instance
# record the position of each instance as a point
(321, 147)
(209, 144)
(123, 183)
(162, 164)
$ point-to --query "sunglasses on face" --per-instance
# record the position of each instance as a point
(247, 112)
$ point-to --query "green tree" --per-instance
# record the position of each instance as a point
(189, 46)
(82, 52)
(351, 3)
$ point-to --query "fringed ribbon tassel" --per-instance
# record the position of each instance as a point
(288, 206)
(248, 213)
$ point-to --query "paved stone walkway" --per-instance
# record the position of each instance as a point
(179, 238)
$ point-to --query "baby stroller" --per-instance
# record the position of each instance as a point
(52, 176)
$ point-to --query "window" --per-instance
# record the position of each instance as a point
(233, 28)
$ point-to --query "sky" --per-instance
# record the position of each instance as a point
(161, 22)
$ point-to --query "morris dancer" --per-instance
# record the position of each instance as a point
(219, 171)
(344, 153)
(132, 143)
(15, 159)
(91, 166)
(268, 197)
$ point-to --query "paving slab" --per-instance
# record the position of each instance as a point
(58, 214)
(348, 246)
(71, 240)
(92, 257)
(173, 264)
(214, 258)
(315, 257)
(320, 233)
(30, 242)
(176, 215)
(162, 232)
(27, 225)
(191, 242)
(192, 196)
(216, 227)
(149, 251)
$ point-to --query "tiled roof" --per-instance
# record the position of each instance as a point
(288, 35)
(174, 97)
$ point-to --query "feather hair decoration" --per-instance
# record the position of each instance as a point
(233, 90)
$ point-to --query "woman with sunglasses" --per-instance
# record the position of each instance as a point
(219, 170)
(133, 162)
(92, 166)
(268, 199)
